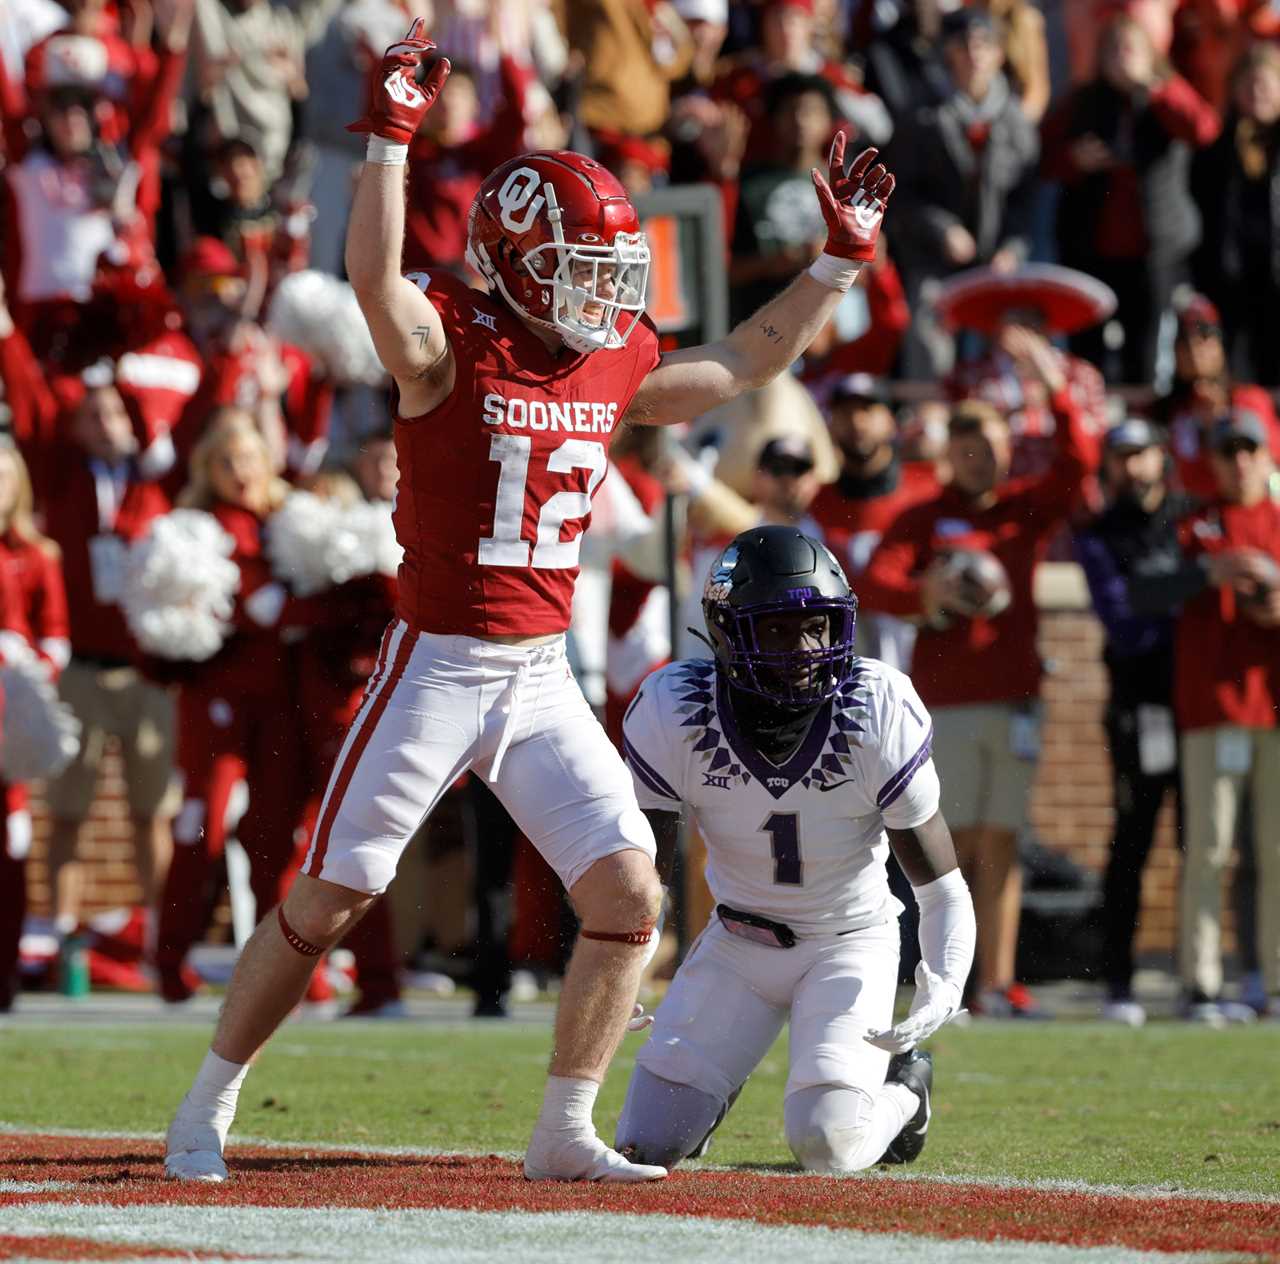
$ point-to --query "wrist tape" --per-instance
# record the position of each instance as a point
(832, 271)
(386, 153)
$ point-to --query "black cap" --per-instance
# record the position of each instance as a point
(1133, 434)
(786, 454)
(864, 387)
(959, 22)
(1240, 425)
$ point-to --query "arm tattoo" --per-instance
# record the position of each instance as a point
(423, 334)
(770, 332)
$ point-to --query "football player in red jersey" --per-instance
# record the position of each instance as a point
(504, 407)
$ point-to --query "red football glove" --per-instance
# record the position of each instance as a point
(853, 203)
(399, 101)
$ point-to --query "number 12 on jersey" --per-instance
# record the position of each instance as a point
(783, 829)
(506, 547)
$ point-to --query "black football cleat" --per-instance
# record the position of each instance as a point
(914, 1069)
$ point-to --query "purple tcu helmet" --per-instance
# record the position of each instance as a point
(772, 570)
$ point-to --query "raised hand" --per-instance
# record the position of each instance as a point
(399, 101)
(853, 202)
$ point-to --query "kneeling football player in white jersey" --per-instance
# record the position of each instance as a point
(803, 764)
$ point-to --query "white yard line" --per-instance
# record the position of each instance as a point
(418, 1236)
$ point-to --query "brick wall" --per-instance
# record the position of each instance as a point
(1071, 804)
(1070, 809)
(108, 855)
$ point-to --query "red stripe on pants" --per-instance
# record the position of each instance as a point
(343, 774)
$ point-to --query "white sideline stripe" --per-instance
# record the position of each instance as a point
(37, 1187)
(418, 1236)
(1051, 1185)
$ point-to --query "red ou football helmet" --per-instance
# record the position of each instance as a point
(556, 235)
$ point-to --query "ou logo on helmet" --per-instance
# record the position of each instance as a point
(517, 194)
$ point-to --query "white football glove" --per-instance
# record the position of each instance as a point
(639, 1020)
(936, 1002)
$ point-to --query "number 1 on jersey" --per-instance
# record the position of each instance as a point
(783, 829)
(506, 547)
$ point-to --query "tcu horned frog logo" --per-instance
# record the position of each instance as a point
(517, 194)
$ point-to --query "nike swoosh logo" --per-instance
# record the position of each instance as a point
(833, 785)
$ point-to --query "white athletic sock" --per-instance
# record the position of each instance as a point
(211, 1101)
(564, 1145)
(904, 1099)
(567, 1105)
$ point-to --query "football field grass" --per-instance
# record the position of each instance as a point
(1164, 1106)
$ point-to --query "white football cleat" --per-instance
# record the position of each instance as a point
(583, 1158)
(195, 1165)
(193, 1146)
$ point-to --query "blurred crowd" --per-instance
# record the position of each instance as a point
(174, 336)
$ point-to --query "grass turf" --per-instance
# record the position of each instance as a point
(1165, 1106)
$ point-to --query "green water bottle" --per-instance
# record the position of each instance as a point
(73, 967)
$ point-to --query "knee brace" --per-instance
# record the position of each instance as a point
(830, 1129)
(663, 1122)
(294, 940)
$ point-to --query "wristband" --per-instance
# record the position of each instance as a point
(386, 153)
(834, 272)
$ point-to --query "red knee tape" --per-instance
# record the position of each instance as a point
(293, 939)
(620, 937)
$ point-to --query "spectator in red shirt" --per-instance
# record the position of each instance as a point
(247, 368)
(975, 667)
(1202, 391)
(34, 562)
(873, 488)
(266, 227)
(451, 156)
(1005, 382)
(82, 456)
(1226, 692)
(1121, 146)
(33, 603)
(237, 712)
(94, 172)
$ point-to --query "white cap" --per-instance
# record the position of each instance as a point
(716, 11)
(75, 61)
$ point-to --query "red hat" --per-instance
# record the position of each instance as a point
(1197, 311)
(207, 258)
(805, 6)
(1067, 300)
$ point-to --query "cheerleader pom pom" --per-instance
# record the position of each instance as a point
(300, 542)
(370, 538)
(319, 314)
(180, 585)
(41, 734)
(316, 544)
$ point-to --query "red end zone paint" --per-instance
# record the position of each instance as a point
(58, 1247)
(125, 1173)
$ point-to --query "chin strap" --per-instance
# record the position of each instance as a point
(704, 640)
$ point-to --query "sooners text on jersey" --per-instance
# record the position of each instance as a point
(496, 483)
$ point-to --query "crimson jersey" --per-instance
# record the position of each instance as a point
(496, 483)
